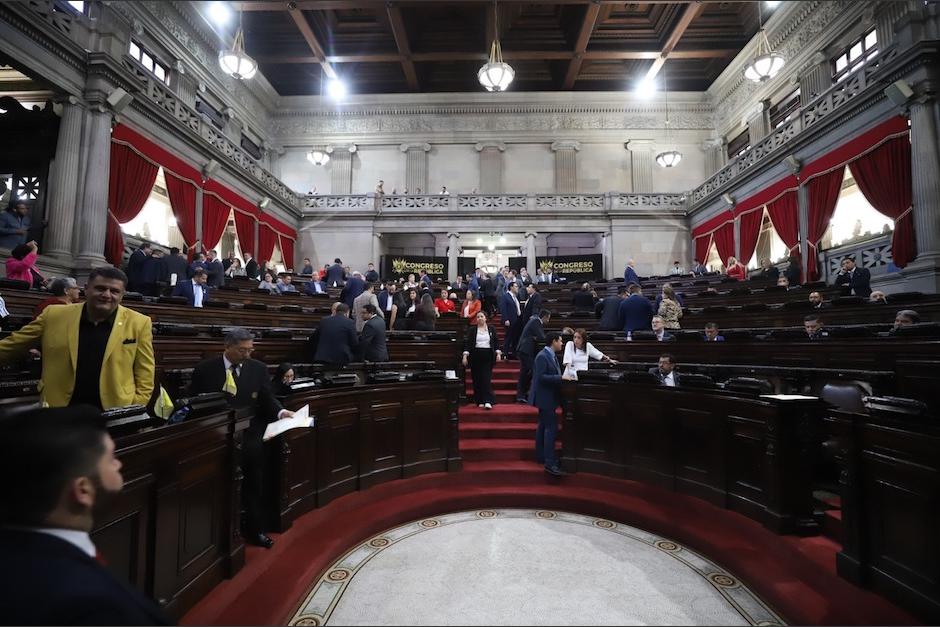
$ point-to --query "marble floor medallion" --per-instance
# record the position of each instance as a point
(526, 567)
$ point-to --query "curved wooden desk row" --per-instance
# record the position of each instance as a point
(173, 531)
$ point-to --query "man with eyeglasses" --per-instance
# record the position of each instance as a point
(247, 382)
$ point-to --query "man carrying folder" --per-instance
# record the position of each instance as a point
(247, 381)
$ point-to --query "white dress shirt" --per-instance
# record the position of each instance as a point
(669, 380)
(483, 338)
(516, 301)
(576, 360)
(79, 539)
(197, 294)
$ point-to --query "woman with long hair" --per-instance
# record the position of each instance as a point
(443, 303)
(21, 264)
(480, 352)
(425, 314)
(470, 308)
(405, 318)
(736, 269)
(235, 269)
(283, 377)
(578, 352)
(669, 308)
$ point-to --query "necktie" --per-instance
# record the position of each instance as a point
(230, 385)
(100, 558)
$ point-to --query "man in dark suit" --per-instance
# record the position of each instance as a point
(488, 295)
(135, 263)
(335, 274)
(251, 267)
(199, 261)
(511, 313)
(353, 288)
(816, 301)
(698, 268)
(60, 463)
(533, 304)
(215, 269)
(630, 275)
(176, 264)
(608, 310)
(424, 279)
(372, 346)
(194, 289)
(390, 303)
(815, 328)
(857, 280)
(584, 299)
(337, 342)
(459, 286)
(712, 334)
(659, 330)
(531, 337)
(545, 395)
(314, 287)
(154, 274)
(636, 311)
(252, 388)
(371, 275)
(228, 261)
(665, 372)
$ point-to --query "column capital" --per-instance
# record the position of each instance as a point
(481, 146)
(566, 145)
(715, 143)
(350, 148)
(640, 145)
(415, 146)
(454, 235)
(531, 234)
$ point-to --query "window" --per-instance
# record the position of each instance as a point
(210, 113)
(784, 110)
(854, 219)
(739, 145)
(251, 147)
(150, 63)
(854, 56)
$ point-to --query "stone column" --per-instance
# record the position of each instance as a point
(453, 251)
(737, 243)
(566, 166)
(815, 78)
(341, 168)
(198, 211)
(491, 167)
(641, 164)
(607, 251)
(94, 221)
(530, 254)
(802, 196)
(925, 163)
(758, 122)
(63, 182)
(377, 251)
(716, 155)
(416, 167)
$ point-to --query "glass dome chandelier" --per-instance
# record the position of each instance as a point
(669, 158)
(235, 61)
(767, 63)
(496, 75)
(318, 157)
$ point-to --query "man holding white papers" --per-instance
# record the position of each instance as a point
(247, 381)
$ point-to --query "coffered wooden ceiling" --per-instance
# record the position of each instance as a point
(379, 46)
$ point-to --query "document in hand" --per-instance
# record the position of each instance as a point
(301, 418)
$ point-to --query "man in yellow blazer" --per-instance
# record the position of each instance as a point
(97, 353)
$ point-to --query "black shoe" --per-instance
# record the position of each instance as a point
(260, 539)
(555, 470)
(522, 401)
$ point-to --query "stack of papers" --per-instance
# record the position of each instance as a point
(301, 418)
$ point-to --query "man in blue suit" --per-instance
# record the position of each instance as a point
(630, 275)
(544, 394)
(353, 288)
(636, 311)
(511, 313)
(60, 464)
(335, 274)
(194, 290)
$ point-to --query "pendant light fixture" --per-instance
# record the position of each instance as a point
(670, 158)
(235, 61)
(318, 157)
(496, 75)
(767, 63)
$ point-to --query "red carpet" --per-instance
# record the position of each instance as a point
(795, 576)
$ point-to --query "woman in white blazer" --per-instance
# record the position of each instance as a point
(578, 353)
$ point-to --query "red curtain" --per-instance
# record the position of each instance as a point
(267, 240)
(702, 244)
(129, 185)
(749, 233)
(182, 195)
(215, 213)
(724, 241)
(287, 251)
(884, 176)
(785, 215)
(823, 196)
(245, 230)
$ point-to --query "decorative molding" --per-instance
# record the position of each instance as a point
(566, 145)
(359, 201)
(419, 146)
(481, 146)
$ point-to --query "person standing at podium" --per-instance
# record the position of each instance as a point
(247, 382)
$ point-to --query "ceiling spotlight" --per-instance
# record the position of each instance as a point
(480, 240)
(772, 4)
(646, 88)
(220, 13)
(491, 247)
(336, 89)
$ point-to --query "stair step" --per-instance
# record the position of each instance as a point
(509, 449)
(832, 525)
(519, 414)
(497, 385)
(497, 430)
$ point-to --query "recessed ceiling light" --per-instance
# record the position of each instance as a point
(220, 13)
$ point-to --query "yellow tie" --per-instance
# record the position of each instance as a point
(230, 386)
(164, 405)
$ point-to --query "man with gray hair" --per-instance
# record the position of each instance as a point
(65, 291)
(355, 286)
(247, 382)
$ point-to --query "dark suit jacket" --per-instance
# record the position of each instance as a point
(196, 264)
(384, 297)
(176, 264)
(770, 274)
(608, 310)
(718, 338)
(583, 301)
(636, 313)
(354, 287)
(532, 338)
(337, 342)
(793, 272)
(630, 276)
(216, 273)
(154, 270)
(470, 340)
(532, 307)
(660, 376)
(335, 274)
(135, 264)
(185, 287)
(48, 581)
(667, 337)
(546, 381)
(372, 276)
(311, 288)
(507, 309)
(372, 346)
(859, 282)
(251, 269)
(254, 389)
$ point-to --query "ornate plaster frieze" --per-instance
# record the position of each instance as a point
(58, 32)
